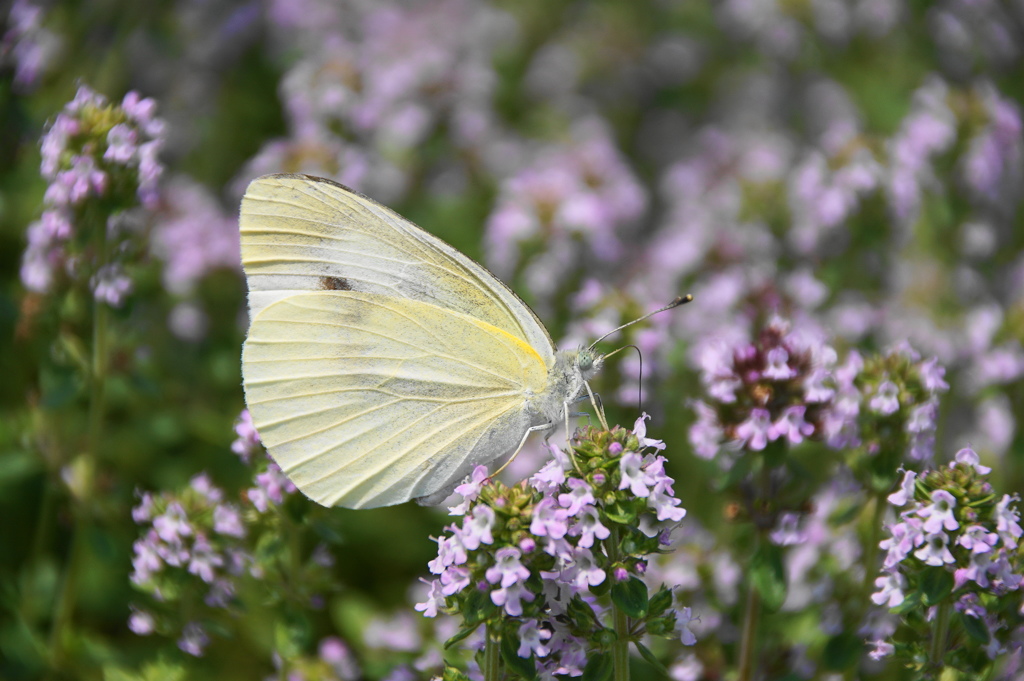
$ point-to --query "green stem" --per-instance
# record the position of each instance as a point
(97, 397)
(620, 622)
(44, 522)
(65, 605)
(492, 656)
(871, 551)
(620, 649)
(940, 632)
(748, 642)
(870, 563)
(752, 607)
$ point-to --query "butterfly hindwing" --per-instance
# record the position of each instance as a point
(369, 400)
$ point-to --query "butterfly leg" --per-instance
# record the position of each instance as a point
(598, 408)
(577, 400)
(522, 443)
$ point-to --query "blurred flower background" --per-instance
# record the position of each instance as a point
(837, 182)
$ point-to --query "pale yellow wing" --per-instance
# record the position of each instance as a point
(368, 400)
(302, 233)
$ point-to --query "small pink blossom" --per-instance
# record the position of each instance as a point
(633, 476)
(508, 570)
(753, 433)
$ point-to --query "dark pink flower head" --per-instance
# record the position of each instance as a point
(780, 387)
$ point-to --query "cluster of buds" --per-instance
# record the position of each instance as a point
(953, 566)
(543, 563)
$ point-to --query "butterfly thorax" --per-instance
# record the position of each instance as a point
(566, 379)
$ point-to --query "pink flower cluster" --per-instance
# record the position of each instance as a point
(959, 526)
(898, 385)
(90, 151)
(272, 486)
(777, 388)
(564, 545)
(197, 533)
(581, 191)
(373, 83)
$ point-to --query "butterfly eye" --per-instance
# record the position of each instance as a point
(588, 362)
(585, 360)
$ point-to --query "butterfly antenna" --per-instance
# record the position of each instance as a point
(681, 300)
(640, 383)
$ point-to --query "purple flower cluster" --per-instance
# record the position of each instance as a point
(583, 191)
(334, 661)
(193, 235)
(994, 162)
(952, 519)
(93, 151)
(539, 556)
(195, 550)
(929, 130)
(27, 44)
(778, 388)
(197, 534)
(373, 83)
(783, 32)
(248, 440)
(827, 186)
(885, 409)
(272, 486)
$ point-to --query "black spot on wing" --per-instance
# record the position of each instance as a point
(335, 284)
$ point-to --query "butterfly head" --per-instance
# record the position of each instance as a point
(588, 363)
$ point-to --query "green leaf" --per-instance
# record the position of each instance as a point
(291, 634)
(936, 585)
(599, 668)
(462, 634)
(631, 597)
(453, 674)
(521, 666)
(16, 465)
(475, 607)
(660, 602)
(842, 651)
(326, 532)
(617, 514)
(975, 628)
(651, 659)
(735, 475)
(912, 603)
(151, 671)
(59, 387)
(768, 576)
(775, 454)
(582, 615)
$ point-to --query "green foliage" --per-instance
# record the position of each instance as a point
(768, 575)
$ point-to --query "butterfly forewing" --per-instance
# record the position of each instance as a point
(307, 234)
(368, 400)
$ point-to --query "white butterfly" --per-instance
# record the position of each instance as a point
(381, 364)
